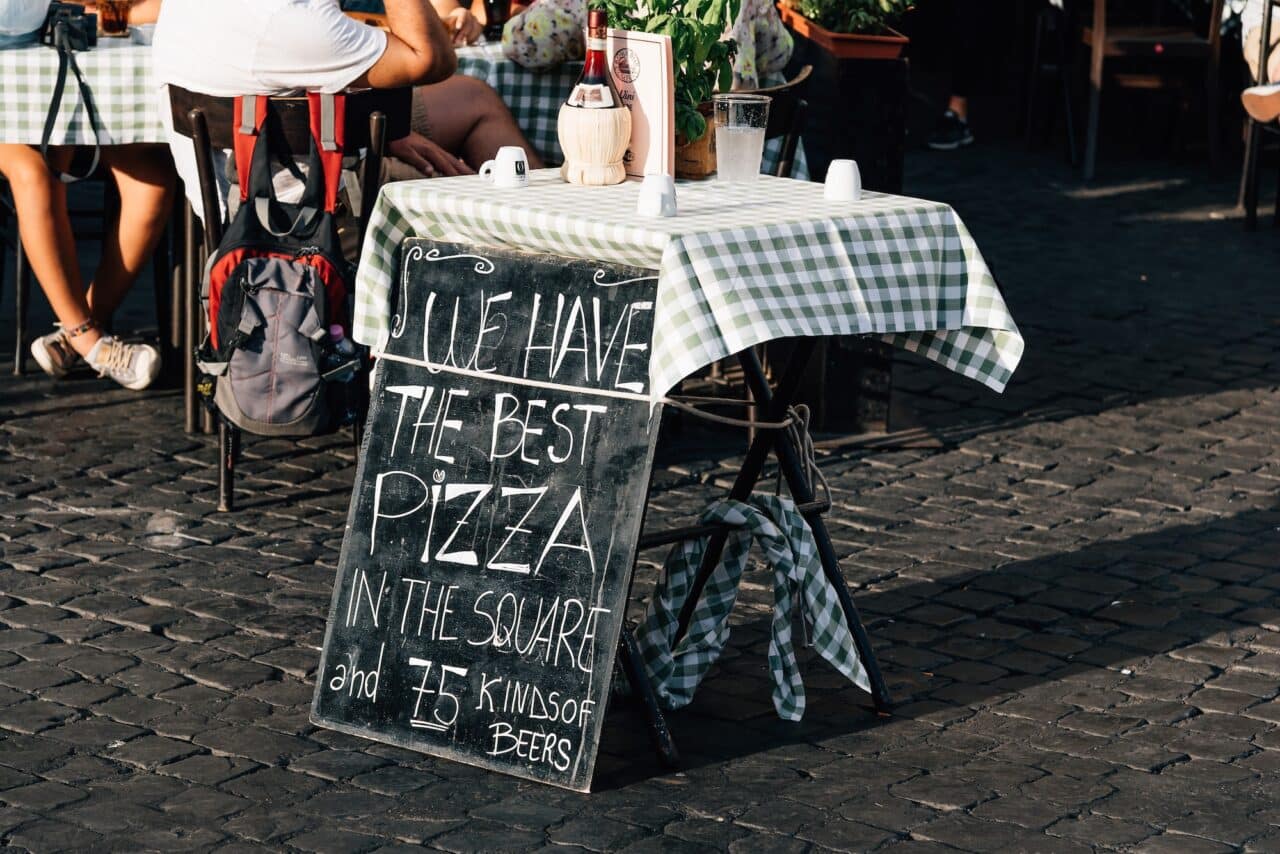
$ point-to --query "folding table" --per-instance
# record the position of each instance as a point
(741, 265)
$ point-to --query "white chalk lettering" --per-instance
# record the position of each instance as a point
(377, 502)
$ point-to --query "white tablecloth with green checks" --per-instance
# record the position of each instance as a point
(119, 76)
(534, 98)
(742, 264)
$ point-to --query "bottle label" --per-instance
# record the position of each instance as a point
(595, 42)
(591, 95)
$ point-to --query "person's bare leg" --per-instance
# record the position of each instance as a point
(959, 105)
(467, 117)
(144, 175)
(45, 228)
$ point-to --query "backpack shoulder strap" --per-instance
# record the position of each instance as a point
(329, 128)
(249, 118)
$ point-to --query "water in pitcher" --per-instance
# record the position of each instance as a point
(738, 152)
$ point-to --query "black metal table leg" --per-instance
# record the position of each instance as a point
(793, 470)
(190, 300)
(771, 409)
(659, 733)
(773, 406)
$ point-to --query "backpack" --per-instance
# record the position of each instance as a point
(278, 283)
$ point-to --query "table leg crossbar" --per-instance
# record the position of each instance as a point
(773, 405)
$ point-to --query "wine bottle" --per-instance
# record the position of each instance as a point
(595, 89)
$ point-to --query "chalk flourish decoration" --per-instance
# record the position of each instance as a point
(483, 265)
(598, 278)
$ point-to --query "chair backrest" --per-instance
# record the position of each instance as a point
(786, 98)
(1213, 36)
(373, 116)
(1270, 7)
(295, 116)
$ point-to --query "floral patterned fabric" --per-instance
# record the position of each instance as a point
(546, 34)
(551, 32)
(764, 45)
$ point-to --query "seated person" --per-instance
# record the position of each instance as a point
(465, 25)
(1261, 102)
(239, 47)
(144, 178)
(460, 115)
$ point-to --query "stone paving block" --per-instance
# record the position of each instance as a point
(336, 764)
(32, 676)
(274, 785)
(54, 835)
(35, 716)
(260, 745)
(93, 732)
(43, 796)
(941, 794)
(1173, 843)
(150, 751)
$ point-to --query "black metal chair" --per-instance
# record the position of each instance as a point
(1155, 44)
(372, 117)
(22, 275)
(1051, 59)
(786, 117)
(1254, 131)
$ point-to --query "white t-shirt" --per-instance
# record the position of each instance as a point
(254, 47)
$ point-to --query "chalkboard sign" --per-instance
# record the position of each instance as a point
(484, 574)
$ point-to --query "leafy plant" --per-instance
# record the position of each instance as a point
(870, 17)
(703, 57)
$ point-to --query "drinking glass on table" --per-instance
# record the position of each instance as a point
(496, 14)
(741, 120)
(113, 17)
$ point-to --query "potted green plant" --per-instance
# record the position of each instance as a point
(848, 29)
(703, 65)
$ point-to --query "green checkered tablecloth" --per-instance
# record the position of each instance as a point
(119, 77)
(741, 265)
(534, 98)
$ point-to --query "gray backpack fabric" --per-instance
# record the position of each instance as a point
(272, 384)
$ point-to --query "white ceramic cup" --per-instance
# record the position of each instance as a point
(844, 182)
(510, 169)
(657, 196)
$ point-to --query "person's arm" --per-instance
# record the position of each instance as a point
(418, 48)
(460, 21)
(144, 12)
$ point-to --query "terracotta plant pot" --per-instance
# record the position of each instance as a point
(845, 45)
(697, 160)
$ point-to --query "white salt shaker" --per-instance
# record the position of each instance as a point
(844, 182)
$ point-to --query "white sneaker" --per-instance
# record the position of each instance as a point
(54, 353)
(134, 366)
(1262, 102)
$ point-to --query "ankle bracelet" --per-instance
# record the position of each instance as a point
(77, 331)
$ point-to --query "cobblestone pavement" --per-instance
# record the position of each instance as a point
(1076, 599)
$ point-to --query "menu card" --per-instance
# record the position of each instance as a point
(643, 70)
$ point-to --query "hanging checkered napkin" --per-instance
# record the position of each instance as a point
(798, 579)
(124, 92)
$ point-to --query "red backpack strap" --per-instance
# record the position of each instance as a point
(250, 114)
(328, 127)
